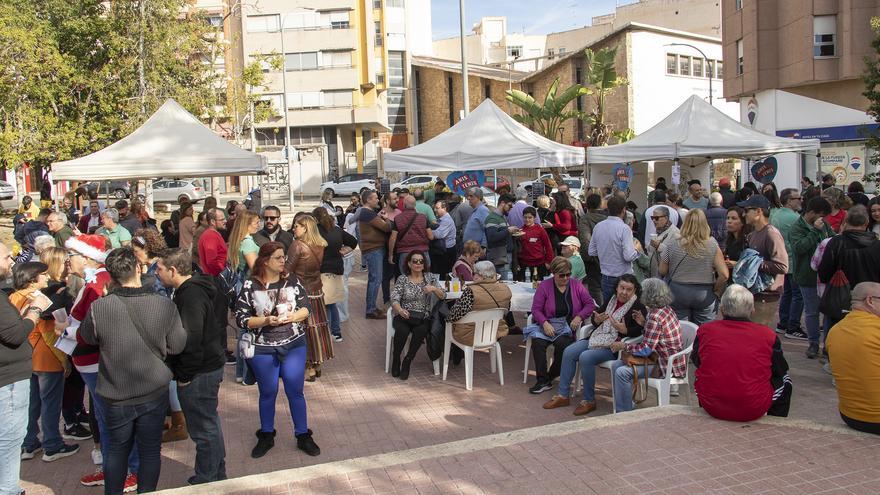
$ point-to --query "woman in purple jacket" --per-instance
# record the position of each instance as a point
(560, 307)
(612, 322)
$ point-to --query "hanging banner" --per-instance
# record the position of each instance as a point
(764, 171)
(623, 175)
(459, 182)
(676, 173)
(844, 163)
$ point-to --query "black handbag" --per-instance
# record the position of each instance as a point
(437, 332)
(836, 301)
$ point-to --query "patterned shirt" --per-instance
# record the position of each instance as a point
(411, 296)
(662, 334)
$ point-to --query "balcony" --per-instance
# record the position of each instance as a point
(300, 40)
(313, 80)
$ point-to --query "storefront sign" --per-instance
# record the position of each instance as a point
(839, 133)
(844, 163)
(764, 171)
(459, 182)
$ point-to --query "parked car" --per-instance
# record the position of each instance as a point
(575, 187)
(490, 197)
(168, 190)
(416, 181)
(6, 190)
(119, 189)
(351, 183)
(527, 184)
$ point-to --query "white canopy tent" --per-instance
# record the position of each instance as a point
(171, 143)
(486, 139)
(695, 133)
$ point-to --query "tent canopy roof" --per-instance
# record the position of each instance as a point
(697, 132)
(486, 139)
(171, 143)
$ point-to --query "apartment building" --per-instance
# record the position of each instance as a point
(794, 67)
(662, 73)
(341, 91)
(492, 43)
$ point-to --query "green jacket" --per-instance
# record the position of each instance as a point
(804, 240)
(783, 218)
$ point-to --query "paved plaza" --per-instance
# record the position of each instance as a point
(382, 435)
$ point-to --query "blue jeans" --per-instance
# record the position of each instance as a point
(91, 380)
(609, 286)
(44, 412)
(199, 402)
(375, 261)
(14, 400)
(291, 369)
(333, 320)
(811, 312)
(580, 352)
(127, 426)
(623, 384)
(791, 305)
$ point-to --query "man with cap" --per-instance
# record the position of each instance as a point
(728, 197)
(571, 251)
(766, 239)
(696, 198)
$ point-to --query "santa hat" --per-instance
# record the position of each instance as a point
(91, 246)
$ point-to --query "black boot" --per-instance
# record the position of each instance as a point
(395, 366)
(305, 443)
(265, 441)
(404, 368)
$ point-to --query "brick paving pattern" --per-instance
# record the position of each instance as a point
(356, 410)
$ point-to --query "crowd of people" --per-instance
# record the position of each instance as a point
(232, 286)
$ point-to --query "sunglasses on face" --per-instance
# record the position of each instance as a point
(563, 275)
(417, 261)
(268, 218)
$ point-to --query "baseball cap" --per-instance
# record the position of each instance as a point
(755, 201)
(571, 241)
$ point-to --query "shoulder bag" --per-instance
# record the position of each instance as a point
(837, 299)
(639, 389)
(140, 331)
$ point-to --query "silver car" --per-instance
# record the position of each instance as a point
(6, 190)
(168, 190)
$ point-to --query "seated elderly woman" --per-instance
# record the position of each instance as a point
(662, 335)
(463, 268)
(559, 308)
(485, 292)
(615, 320)
(741, 372)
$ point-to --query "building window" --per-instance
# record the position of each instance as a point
(671, 63)
(214, 20)
(272, 101)
(450, 97)
(550, 54)
(262, 23)
(487, 91)
(514, 51)
(684, 65)
(299, 101)
(719, 69)
(824, 35)
(338, 98)
(738, 4)
(561, 50)
(396, 77)
(396, 111)
(301, 61)
(305, 135)
(697, 67)
(336, 20)
(739, 57)
(269, 136)
(377, 4)
(394, 3)
(336, 59)
(379, 37)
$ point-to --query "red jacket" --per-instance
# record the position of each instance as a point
(535, 248)
(83, 225)
(85, 354)
(735, 361)
(212, 252)
(564, 224)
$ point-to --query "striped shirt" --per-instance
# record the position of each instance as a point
(686, 269)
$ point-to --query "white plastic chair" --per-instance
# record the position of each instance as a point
(485, 336)
(662, 385)
(583, 333)
(389, 344)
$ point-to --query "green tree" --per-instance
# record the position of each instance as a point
(547, 118)
(871, 78)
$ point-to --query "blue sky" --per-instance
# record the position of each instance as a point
(535, 17)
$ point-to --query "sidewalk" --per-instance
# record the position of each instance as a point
(357, 411)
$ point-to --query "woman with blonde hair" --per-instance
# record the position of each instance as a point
(694, 267)
(187, 227)
(304, 259)
(241, 248)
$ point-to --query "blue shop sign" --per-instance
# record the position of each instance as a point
(839, 133)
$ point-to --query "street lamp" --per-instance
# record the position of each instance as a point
(708, 65)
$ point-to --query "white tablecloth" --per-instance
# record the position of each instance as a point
(521, 296)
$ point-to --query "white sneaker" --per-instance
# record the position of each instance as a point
(673, 390)
(239, 379)
(97, 457)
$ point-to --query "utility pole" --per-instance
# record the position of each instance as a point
(464, 66)
(287, 150)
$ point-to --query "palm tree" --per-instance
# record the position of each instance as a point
(547, 118)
